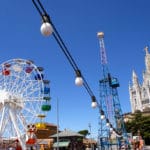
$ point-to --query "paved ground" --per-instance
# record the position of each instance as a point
(147, 147)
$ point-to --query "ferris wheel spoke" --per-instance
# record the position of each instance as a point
(16, 86)
(21, 84)
(15, 83)
(25, 87)
(12, 116)
(32, 91)
(7, 128)
(9, 81)
(33, 99)
(17, 104)
(29, 87)
(19, 80)
(30, 112)
(21, 123)
(6, 122)
(2, 121)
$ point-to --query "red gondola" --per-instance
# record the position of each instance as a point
(6, 72)
(28, 69)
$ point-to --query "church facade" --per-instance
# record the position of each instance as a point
(140, 93)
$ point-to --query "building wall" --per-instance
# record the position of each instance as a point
(140, 93)
(46, 132)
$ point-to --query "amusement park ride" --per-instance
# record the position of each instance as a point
(24, 96)
(111, 122)
(112, 131)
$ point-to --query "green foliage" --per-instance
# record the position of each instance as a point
(84, 132)
(141, 124)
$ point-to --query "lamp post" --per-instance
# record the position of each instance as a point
(57, 124)
(91, 140)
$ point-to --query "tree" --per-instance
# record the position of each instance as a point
(139, 125)
(84, 132)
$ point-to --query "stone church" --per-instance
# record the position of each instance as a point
(140, 93)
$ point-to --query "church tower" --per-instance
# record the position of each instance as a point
(140, 93)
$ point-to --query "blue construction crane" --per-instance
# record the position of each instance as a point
(112, 132)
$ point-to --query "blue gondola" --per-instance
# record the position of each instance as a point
(39, 77)
(46, 90)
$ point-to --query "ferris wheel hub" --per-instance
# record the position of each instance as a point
(3, 96)
(7, 98)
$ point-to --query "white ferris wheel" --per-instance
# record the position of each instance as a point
(24, 94)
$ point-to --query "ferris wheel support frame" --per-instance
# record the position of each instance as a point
(12, 116)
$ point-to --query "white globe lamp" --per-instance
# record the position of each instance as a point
(107, 124)
(46, 29)
(94, 104)
(79, 81)
(102, 117)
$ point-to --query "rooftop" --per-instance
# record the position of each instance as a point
(67, 133)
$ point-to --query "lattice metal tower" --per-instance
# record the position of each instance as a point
(112, 132)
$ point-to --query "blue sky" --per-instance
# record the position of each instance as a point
(127, 31)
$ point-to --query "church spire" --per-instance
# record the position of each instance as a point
(146, 50)
(134, 78)
(147, 60)
(134, 74)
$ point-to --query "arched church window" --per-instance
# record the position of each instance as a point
(134, 93)
(135, 100)
(148, 85)
(144, 93)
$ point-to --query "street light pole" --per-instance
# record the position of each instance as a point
(92, 146)
(57, 124)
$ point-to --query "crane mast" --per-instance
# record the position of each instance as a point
(112, 133)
